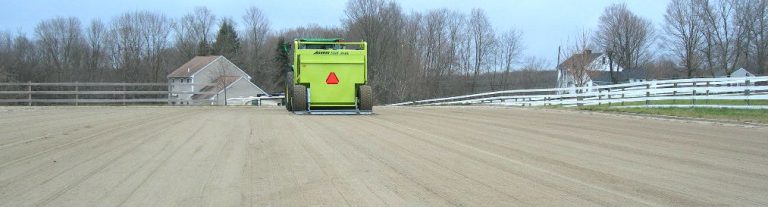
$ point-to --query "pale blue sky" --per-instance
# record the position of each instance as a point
(545, 23)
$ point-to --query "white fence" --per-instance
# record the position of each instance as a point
(743, 88)
(77, 93)
(253, 100)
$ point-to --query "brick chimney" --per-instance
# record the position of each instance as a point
(587, 51)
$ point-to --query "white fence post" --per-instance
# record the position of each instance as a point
(124, 92)
(674, 93)
(29, 93)
(746, 91)
(693, 95)
(647, 93)
(77, 93)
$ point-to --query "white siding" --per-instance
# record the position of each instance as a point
(241, 88)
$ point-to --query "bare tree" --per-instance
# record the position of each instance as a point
(380, 23)
(665, 68)
(412, 73)
(96, 35)
(194, 29)
(6, 48)
(155, 31)
(62, 44)
(456, 25)
(433, 48)
(185, 40)
(760, 34)
(483, 41)
(255, 47)
(136, 43)
(511, 49)
(530, 75)
(749, 28)
(6, 55)
(683, 35)
(578, 66)
(222, 81)
(26, 64)
(126, 45)
(721, 50)
(625, 36)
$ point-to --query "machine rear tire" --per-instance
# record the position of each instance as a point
(288, 91)
(299, 100)
(365, 95)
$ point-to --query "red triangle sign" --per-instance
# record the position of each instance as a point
(332, 79)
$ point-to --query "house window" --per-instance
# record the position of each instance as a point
(603, 60)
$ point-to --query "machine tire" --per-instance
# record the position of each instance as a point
(288, 91)
(299, 100)
(365, 96)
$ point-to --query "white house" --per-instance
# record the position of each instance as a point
(225, 78)
(597, 66)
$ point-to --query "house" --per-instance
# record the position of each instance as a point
(215, 76)
(594, 69)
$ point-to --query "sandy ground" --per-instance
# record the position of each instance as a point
(459, 156)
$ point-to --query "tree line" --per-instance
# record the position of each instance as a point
(717, 35)
(698, 38)
(412, 55)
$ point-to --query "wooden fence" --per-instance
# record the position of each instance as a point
(744, 88)
(78, 93)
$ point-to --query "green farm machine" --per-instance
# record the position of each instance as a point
(329, 76)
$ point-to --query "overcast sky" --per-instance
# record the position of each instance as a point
(545, 23)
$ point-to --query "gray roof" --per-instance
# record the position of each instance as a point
(191, 67)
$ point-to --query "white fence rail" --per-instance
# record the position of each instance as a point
(743, 88)
(253, 100)
(77, 93)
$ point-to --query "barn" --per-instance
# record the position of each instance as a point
(216, 76)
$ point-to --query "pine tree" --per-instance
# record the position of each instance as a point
(227, 43)
(282, 61)
(281, 57)
(203, 48)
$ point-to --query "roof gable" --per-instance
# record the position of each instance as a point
(218, 85)
(741, 72)
(576, 58)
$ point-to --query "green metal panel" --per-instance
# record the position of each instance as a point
(321, 39)
(313, 66)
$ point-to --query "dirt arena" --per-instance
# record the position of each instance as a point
(401, 156)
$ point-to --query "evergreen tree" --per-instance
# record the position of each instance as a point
(227, 43)
(282, 61)
(203, 48)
